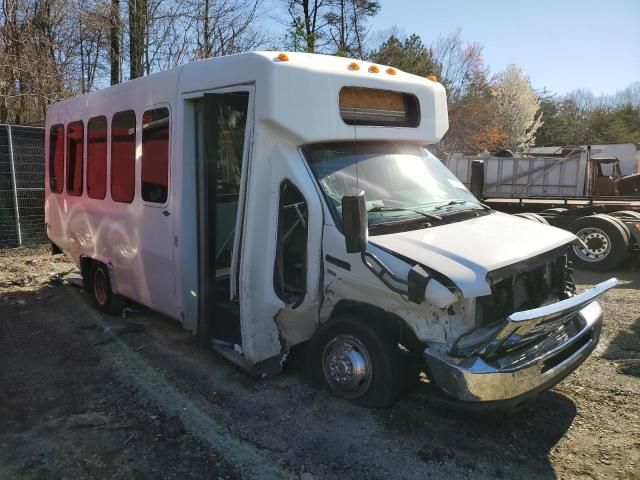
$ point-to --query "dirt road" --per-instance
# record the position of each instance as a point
(88, 396)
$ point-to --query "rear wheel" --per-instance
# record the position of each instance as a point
(605, 243)
(104, 298)
(357, 361)
(622, 225)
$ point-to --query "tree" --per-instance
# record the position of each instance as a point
(410, 55)
(518, 107)
(138, 23)
(307, 25)
(462, 67)
(346, 22)
(473, 123)
(225, 27)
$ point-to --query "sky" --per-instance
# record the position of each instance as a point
(561, 44)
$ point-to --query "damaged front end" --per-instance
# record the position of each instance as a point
(516, 355)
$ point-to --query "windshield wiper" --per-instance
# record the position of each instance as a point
(461, 202)
(400, 209)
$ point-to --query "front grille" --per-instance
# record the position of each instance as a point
(526, 285)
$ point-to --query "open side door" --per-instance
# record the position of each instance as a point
(222, 155)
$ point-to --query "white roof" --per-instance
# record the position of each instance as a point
(300, 95)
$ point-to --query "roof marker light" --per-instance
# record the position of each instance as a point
(374, 69)
(433, 78)
(354, 66)
(283, 57)
(391, 71)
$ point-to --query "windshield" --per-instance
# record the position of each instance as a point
(399, 179)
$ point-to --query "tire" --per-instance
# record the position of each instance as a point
(624, 227)
(104, 298)
(607, 243)
(344, 342)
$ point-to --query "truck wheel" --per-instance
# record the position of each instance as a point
(623, 226)
(606, 244)
(104, 298)
(357, 361)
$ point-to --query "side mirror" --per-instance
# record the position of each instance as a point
(355, 222)
(477, 178)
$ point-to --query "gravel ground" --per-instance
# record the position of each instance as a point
(88, 396)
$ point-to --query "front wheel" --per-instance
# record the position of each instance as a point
(357, 361)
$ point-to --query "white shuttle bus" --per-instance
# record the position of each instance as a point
(264, 200)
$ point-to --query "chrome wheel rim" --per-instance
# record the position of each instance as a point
(597, 244)
(347, 366)
(100, 287)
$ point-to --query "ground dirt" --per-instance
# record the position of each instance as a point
(83, 395)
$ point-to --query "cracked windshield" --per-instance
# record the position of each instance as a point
(400, 180)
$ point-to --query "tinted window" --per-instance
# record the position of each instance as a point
(123, 156)
(56, 158)
(155, 155)
(75, 160)
(371, 106)
(291, 255)
(97, 158)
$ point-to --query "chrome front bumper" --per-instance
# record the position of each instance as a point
(531, 352)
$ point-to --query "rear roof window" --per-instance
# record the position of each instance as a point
(372, 106)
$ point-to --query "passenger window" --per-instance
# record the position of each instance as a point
(97, 158)
(155, 155)
(75, 160)
(123, 156)
(290, 273)
(56, 158)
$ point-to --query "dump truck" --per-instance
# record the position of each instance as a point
(574, 189)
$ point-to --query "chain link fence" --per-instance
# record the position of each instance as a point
(21, 186)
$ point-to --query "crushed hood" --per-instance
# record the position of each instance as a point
(466, 251)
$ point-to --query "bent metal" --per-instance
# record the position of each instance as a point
(266, 200)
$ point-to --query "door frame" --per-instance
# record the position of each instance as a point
(206, 304)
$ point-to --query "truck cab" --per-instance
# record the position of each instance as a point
(605, 178)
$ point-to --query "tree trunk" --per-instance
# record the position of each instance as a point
(137, 29)
(114, 42)
(206, 34)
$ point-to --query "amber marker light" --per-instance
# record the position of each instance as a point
(433, 78)
(354, 66)
(283, 57)
(374, 69)
(391, 71)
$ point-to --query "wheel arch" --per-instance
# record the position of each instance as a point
(87, 263)
(367, 313)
